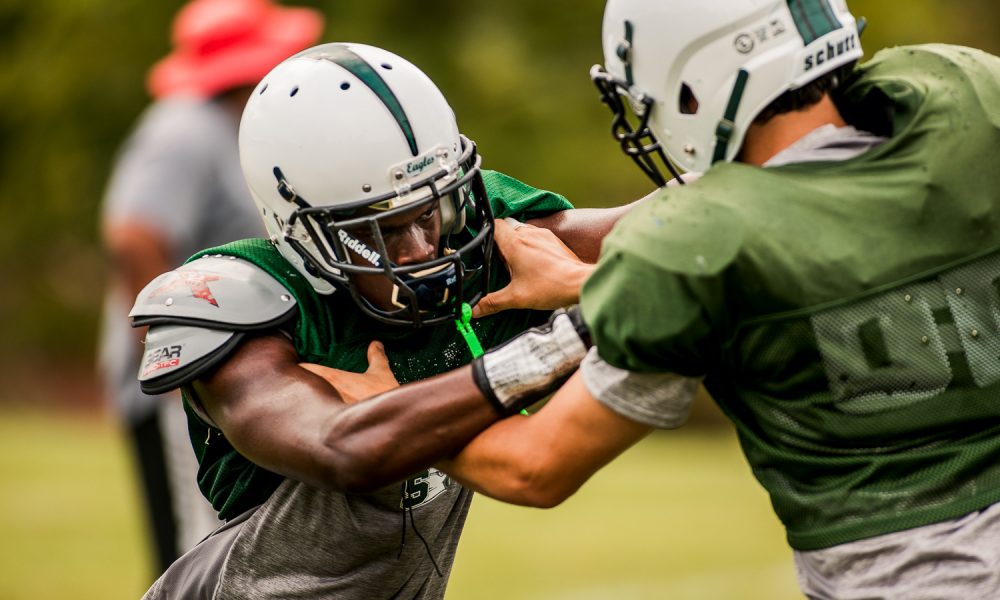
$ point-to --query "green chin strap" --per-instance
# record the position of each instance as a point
(464, 328)
(463, 324)
(727, 126)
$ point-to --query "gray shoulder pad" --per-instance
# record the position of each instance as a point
(218, 292)
(197, 314)
(178, 354)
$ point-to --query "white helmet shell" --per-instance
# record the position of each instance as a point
(342, 125)
(659, 48)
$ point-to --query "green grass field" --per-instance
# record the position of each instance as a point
(677, 517)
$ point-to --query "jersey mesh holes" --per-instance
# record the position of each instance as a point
(776, 369)
(911, 343)
(884, 352)
(973, 294)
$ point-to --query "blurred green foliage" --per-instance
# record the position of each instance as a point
(72, 83)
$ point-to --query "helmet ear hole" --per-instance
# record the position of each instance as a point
(687, 101)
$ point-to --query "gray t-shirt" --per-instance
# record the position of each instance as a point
(314, 544)
(179, 172)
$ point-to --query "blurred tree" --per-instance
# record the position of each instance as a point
(71, 84)
(515, 72)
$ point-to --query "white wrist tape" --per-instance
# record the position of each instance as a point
(531, 364)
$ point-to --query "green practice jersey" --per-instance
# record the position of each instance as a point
(332, 331)
(845, 315)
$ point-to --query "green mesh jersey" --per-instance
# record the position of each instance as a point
(332, 331)
(845, 315)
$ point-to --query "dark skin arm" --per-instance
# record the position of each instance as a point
(290, 421)
(538, 461)
(138, 254)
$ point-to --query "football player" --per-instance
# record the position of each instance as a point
(381, 227)
(832, 278)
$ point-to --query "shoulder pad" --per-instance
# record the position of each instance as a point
(176, 354)
(217, 292)
(681, 229)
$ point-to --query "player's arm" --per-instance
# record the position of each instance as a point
(430, 415)
(583, 229)
(549, 258)
(543, 459)
(226, 344)
(290, 421)
(599, 413)
(138, 253)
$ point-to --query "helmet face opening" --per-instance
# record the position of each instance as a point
(356, 245)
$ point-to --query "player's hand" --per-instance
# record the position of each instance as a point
(545, 274)
(354, 387)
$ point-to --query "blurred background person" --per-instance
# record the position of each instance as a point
(176, 187)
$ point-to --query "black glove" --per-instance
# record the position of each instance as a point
(533, 364)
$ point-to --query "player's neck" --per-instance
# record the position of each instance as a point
(766, 140)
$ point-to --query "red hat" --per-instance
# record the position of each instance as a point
(222, 44)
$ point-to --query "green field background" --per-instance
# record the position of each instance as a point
(678, 516)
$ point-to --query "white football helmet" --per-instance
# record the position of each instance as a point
(342, 136)
(697, 72)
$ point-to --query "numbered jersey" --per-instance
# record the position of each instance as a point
(846, 315)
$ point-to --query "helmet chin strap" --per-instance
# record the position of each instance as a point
(464, 314)
(727, 126)
(468, 334)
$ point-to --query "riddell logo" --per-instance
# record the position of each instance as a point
(162, 358)
(832, 51)
(360, 248)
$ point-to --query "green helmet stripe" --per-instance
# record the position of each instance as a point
(813, 18)
(830, 15)
(628, 55)
(358, 67)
